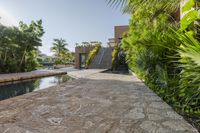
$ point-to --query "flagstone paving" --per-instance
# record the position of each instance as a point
(99, 103)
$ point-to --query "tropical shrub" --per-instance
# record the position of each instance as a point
(163, 52)
(189, 52)
(92, 54)
(115, 57)
(189, 83)
(147, 45)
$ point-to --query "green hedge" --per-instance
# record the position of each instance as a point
(115, 57)
(167, 60)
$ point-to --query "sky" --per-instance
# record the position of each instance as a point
(72, 20)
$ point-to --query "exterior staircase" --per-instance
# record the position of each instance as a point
(103, 59)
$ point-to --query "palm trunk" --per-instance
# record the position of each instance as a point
(5, 57)
(23, 57)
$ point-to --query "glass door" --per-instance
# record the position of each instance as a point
(82, 60)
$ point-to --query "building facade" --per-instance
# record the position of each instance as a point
(81, 54)
(111, 42)
(119, 32)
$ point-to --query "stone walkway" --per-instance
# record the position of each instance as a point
(83, 73)
(99, 103)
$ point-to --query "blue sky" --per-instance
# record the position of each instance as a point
(72, 20)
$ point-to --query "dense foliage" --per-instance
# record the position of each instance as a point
(92, 54)
(164, 51)
(19, 47)
(147, 45)
(189, 52)
(115, 57)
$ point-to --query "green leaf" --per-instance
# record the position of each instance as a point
(189, 18)
(188, 5)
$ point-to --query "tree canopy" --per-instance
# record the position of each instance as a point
(19, 45)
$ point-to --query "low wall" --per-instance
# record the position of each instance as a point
(28, 75)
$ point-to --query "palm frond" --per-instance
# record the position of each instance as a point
(127, 6)
(117, 3)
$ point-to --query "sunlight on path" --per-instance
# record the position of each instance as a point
(99, 102)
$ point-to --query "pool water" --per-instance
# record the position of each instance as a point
(14, 89)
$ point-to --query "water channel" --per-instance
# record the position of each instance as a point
(13, 89)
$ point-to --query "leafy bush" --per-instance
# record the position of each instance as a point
(165, 52)
(92, 54)
(189, 83)
(168, 60)
(189, 53)
(115, 57)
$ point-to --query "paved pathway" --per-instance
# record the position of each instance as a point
(84, 73)
(99, 103)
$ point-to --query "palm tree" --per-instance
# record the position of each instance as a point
(117, 2)
(59, 46)
(127, 6)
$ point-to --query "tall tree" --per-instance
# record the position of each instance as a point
(61, 53)
(18, 46)
(59, 47)
(30, 39)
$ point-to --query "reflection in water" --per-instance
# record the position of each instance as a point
(23, 87)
